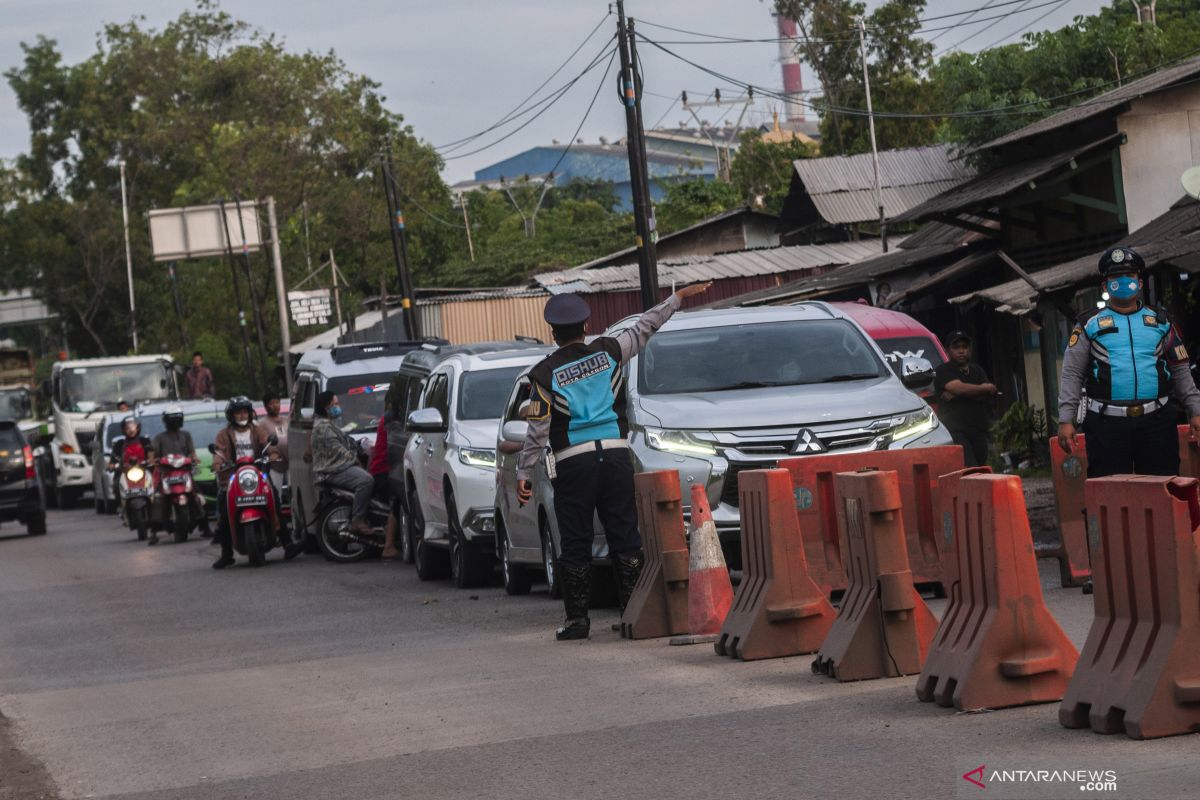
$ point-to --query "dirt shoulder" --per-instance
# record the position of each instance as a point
(21, 776)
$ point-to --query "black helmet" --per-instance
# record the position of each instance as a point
(236, 404)
(1121, 260)
(173, 418)
(125, 423)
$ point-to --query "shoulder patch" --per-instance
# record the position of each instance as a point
(1074, 336)
(1150, 320)
(1106, 322)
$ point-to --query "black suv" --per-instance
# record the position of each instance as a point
(21, 494)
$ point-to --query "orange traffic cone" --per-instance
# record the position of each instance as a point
(710, 593)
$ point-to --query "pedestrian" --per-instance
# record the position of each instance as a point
(199, 379)
(964, 399)
(577, 410)
(274, 423)
(378, 467)
(1133, 364)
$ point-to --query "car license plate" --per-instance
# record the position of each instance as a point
(175, 481)
(250, 500)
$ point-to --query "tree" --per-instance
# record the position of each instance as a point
(687, 202)
(762, 171)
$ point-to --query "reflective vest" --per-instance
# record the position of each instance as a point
(1129, 354)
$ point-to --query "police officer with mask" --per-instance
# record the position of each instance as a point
(577, 410)
(1133, 363)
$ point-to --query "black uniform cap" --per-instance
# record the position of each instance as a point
(1117, 260)
(567, 309)
(956, 336)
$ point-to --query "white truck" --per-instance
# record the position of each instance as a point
(16, 387)
(80, 392)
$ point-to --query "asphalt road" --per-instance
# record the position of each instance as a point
(136, 672)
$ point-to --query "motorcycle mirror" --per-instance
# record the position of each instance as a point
(272, 439)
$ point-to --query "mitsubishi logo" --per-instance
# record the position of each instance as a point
(807, 442)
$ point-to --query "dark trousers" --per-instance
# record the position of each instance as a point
(354, 479)
(1146, 445)
(599, 482)
(223, 536)
(974, 445)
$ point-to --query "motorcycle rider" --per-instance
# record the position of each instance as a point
(335, 460)
(173, 441)
(135, 448)
(239, 439)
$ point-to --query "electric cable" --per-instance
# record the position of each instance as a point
(1027, 27)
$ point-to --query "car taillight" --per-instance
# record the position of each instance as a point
(30, 470)
(66, 448)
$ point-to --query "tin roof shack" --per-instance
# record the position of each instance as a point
(737, 229)
(1064, 188)
(831, 198)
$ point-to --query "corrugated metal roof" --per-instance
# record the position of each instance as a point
(696, 269)
(843, 187)
(1174, 235)
(985, 189)
(1155, 82)
(631, 252)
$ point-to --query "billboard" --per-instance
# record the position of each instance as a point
(199, 231)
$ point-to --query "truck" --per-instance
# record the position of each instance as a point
(17, 384)
(80, 392)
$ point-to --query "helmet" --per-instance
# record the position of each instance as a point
(125, 423)
(236, 404)
(1121, 260)
(173, 418)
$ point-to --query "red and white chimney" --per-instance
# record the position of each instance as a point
(793, 85)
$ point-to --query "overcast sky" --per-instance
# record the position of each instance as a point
(454, 67)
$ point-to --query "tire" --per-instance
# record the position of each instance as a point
(36, 525)
(407, 548)
(432, 564)
(65, 498)
(252, 537)
(181, 523)
(110, 506)
(142, 529)
(550, 564)
(470, 567)
(516, 576)
(333, 546)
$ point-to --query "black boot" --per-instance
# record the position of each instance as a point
(226, 558)
(628, 567)
(577, 590)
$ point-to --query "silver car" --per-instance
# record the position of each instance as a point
(717, 392)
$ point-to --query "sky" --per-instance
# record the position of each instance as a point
(453, 68)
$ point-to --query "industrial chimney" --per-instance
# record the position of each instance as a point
(793, 86)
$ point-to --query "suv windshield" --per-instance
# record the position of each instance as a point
(89, 389)
(14, 404)
(789, 353)
(482, 393)
(361, 398)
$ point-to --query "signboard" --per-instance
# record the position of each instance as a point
(198, 231)
(310, 308)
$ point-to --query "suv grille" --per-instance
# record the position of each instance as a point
(729, 492)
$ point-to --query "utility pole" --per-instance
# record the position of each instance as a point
(128, 261)
(462, 201)
(643, 211)
(237, 296)
(862, 44)
(183, 336)
(337, 295)
(255, 300)
(399, 248)
(285, 335)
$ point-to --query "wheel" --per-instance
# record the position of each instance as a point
(182, 523)
(516, 576)
(432, 564)
(252, 540)
(64, 497)
(329, 538)
(142, 528)
(469, 566)
(550, 563)
(407, 549)
(36, 525)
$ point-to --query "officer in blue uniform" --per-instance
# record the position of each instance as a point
(577, 422)
(1134, 366)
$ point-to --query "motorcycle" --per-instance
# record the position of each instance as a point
(180, 497)
(136, 494)
(338, 542)
(253, 511)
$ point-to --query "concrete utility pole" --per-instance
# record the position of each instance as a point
(237, 295)
(128, 261)
(399, 248)
(862, 44)
(643, 210)
(285, 336)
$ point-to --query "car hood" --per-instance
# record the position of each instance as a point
(479, 432)
(778, 406)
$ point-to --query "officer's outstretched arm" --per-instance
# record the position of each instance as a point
(634, 338)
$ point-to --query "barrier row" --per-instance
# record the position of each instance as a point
(997, 645)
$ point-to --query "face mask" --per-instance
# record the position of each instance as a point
(1125, 288)
(335, 412)
(241, 423)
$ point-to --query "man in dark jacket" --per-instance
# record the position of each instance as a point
(964, 399)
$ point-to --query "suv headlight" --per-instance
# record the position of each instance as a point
(916, 423)
(681, 442)
(477, 457)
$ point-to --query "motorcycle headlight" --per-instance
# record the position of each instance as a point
(681, 442)
(248, 481)
(477, 457)
(135, 474)
(916, 423)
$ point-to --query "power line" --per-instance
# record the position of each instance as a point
(989, 26)
(586, 114)
(984, 7)
(1027, 27)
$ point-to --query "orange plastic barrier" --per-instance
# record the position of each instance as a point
(819, 506)
(947, 497)
(997, 645)
(1189, 454)
(1139, 670)
(1069, 471)
(778, 609)
(659, 603)
(884, 627)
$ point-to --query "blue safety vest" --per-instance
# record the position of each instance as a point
(581, 388)
(1129, 354)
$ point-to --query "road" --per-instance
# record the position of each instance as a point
(136, 672)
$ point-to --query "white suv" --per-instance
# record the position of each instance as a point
(450, 463)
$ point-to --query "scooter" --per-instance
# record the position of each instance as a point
(253, 512)
(136, 494)
(337, 540)
(182, 502)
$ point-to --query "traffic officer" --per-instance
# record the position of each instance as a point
(1132, 361)
(577, 420)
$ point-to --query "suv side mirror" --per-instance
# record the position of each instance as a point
(426, 420)
(514, 431)
(306, 414)
(916, 373)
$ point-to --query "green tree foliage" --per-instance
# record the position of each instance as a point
(687, 202)
(761, 171)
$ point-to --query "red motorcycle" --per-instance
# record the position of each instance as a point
(180, 497)
(253, 512)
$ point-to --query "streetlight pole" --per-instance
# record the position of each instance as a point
(128, 260)
(862, 44)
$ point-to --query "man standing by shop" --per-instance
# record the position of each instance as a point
(964, 399)
(199, 379)
(1133, 363)
(577, 408)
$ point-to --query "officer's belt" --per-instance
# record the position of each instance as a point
(591, 447)
(1135, 410)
